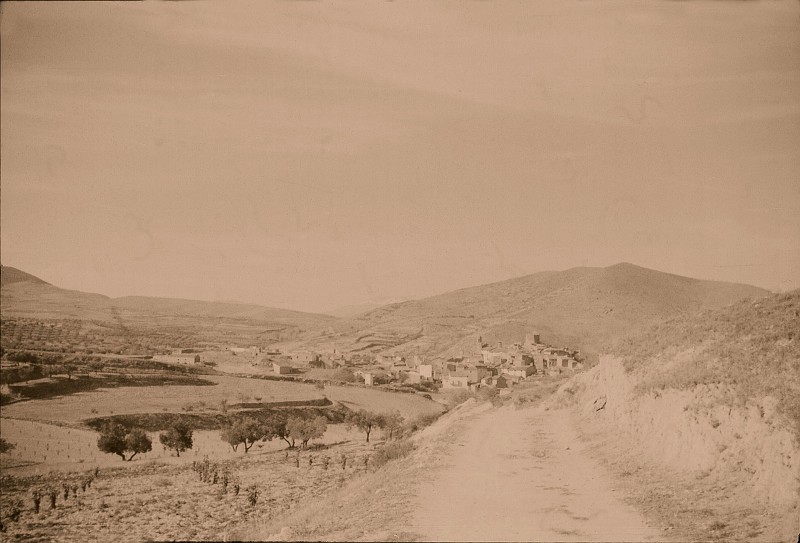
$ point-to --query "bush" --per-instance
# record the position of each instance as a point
(5, 446)
(421, 421)
(489, 394)
(23, 356)
(392, 451)
(21, 374)
(252, 494)
(457, 398)
(7, 395)
(345, 375)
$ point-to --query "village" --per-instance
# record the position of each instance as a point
(495, 366)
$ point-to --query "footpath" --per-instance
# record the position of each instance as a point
(523, 475)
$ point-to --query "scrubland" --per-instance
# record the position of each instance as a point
(699, 415)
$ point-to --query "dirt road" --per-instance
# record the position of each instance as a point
(522, 475)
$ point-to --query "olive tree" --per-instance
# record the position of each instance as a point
(363, 420)
(246, 432)
(117, 439)
(304, 430)
(178, 438)
(392, 424)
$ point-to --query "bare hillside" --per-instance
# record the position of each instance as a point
(582, 307)
(10, 275)
(27, 296)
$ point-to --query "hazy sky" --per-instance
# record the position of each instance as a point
(311, 155)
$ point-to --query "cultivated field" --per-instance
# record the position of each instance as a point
(74, 408)
(158, 501)
(42, 448)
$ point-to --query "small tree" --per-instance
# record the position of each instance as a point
(392, 424)
(363, 420)
(178, 438)
(116, 439)
(305, 430)
(281, 430)
(137, 441)
(246, 431)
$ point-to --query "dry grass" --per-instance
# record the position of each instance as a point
(690, 506)
(752, 346)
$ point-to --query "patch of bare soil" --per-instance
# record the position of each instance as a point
(691, 506)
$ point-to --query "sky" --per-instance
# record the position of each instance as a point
(314, 155)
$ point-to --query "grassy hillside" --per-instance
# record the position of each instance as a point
(752, 347)
(583, 307)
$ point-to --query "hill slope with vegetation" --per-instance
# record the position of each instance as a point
(752, 347)
(586, 308)
(701, 414)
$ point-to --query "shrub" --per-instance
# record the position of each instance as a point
(489, 394)
(5, 446)
(37, 500)
(421, 421)
(252, 494)
(392, 451)
(457, 398)
(343, 374)
(7, 395)
(14, 510)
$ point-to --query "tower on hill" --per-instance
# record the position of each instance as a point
(532, 339)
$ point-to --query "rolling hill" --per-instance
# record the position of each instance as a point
(583, 307)
(24, 295)
(752, 345)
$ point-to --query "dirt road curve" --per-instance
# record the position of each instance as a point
(522, 475)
